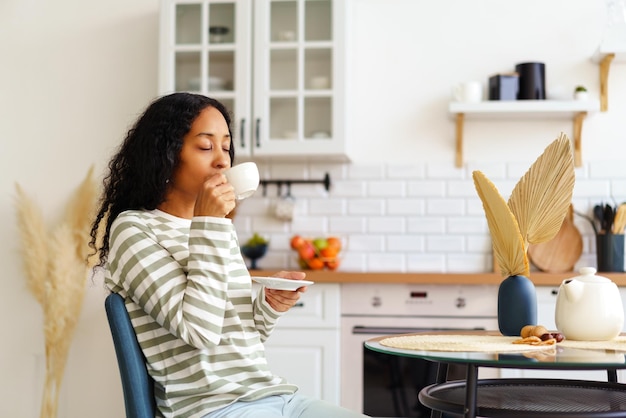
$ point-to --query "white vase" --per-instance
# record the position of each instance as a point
(581, 95)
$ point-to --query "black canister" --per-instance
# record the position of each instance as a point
(532, 81)
(610, 252)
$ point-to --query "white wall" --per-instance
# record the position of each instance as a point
(74, 74)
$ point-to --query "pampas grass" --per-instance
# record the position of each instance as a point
(56, 270)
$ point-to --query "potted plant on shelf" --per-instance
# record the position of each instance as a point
(580, 93)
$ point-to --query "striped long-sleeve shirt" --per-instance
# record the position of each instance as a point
(189, 296)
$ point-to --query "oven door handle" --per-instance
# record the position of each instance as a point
(359, 329)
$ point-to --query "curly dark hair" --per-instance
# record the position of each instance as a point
(146, 159)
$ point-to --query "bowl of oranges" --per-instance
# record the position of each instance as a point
(317, 253)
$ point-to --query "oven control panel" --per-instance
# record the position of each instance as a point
(412, 300)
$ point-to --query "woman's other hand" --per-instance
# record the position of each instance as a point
(283, 300)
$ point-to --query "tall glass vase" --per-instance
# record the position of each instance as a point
(517, 305)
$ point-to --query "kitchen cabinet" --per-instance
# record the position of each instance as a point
(305, 345)
(278, 65)
(574, 109)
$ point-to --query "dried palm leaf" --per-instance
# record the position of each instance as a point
(541, 199)
(508, 244)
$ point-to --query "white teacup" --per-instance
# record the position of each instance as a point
(469, 92)
(244, 178)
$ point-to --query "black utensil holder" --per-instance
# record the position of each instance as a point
(610, 252)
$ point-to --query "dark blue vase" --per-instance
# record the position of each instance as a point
(517, 305)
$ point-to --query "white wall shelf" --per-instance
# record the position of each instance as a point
(495, 109)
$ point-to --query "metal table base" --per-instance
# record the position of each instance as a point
(531, 398)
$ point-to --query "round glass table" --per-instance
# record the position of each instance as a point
(531, 398)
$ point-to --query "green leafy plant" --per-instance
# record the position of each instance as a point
(580, 88)
(256, 240)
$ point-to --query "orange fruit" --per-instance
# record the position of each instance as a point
(296, 242)
(332, 264)
(306, 251)
(329, 252)
(334, 242)
(315, 264)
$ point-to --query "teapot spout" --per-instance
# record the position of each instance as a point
(573, 289)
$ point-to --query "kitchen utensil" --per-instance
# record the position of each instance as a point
(561, 253)
(619, 222)
(608, 217)
(598, 213)
(589, 307)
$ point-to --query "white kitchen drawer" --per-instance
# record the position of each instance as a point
(318, 307)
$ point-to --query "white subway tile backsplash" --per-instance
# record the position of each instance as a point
(363, 243)
(366, 171)
(467, 225)
(349, 188)
(599, 189)
(467, 263)
(445, 207)
(329, 206)
(386, 188)
(381, 262)
(445, 244)
(405, 243)
(405, 206)
(426, 225)
(386, 224)
(366, 207)
(445, 171)
(347, 224)
(426, 263)
(478, 244)
(406, 172)
(426, 188)
(491, 170)
(413, 218)
(461, 189)
(607, 170)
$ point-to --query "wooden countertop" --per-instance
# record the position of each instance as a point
(540, 279)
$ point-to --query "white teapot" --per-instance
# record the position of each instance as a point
(589, 307)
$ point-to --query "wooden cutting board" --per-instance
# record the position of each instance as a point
(560, 254)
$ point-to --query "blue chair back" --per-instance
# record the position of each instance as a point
(137, 385)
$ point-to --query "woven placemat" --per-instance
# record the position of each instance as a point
(490, 343)
(452, 342)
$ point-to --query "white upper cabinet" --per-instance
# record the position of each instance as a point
(278, 65)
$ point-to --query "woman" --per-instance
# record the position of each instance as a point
(171, 251)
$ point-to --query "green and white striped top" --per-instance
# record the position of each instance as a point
(189, 296)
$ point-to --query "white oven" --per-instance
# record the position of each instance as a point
(387, 386)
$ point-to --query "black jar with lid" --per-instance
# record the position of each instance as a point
(532, 81)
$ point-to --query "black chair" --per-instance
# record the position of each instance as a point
(137, 385)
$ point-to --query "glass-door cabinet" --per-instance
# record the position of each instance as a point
(278, 65)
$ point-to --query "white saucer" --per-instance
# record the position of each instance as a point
(281, 284)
